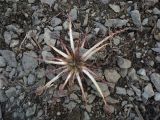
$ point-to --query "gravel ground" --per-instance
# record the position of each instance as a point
(129, 65)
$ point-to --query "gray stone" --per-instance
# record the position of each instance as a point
(11, 92)
(132, 74)
(75, 35)
(141, 72)
(1, 113)
(138, 55)
(121, 91)
(15, 28)
(148, 91)
(40, 73)
(136, 90)
(14, 43)
(103, 29)
(29, 61)
(157, 97)
(111, 75)
(111, 100)
(123, 63)
(12, 73)
(116, 40)
(130, 92)
(157, 36)
(155, 79)
(73, 13)
(156, 11)
(49, 37)
(7, 37)
(31, 79)
(136, 17)
(31, 111)
(145, 21)
(55, 21)
(40, 113)
(158, 24)
(123, 72)
(2, 62)
(105, 1)
(66, 25)
(71, 105)
(3, 81)
(9, 57)
(73, 97)
(86, 116)
(31, 1)
(49, 2)
(115, 8)
(158, 59)
(156, 50)
(115, 22)
(3, 96)
(103, 87)
(58, 28)
(91, 98)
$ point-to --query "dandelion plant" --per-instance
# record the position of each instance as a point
(74, 63)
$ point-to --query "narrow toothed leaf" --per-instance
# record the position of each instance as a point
(49, 84)
(94, 82)
(71, 36)
(95, 46)
(55, 62)
(81, 86)
(67, 79)
(60, 52)
(93, 52)
(102, 41)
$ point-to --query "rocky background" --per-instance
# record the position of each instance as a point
(129, 65)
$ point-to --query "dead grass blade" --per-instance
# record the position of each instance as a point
(49, 84)
(95, 83)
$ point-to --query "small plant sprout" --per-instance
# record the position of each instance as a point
(73, 62)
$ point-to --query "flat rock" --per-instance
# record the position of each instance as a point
(2, 62)
(9, 57)
(49, 37)
(157, 97)
(155, 79)
(148, 91)
(115, 8)
(121, 91)
(74, 13)
(132, 74)
(115, 22)
(3, 96)
(103, 29)
(158, 24)
(105, 1)
(31, 110)
(111, 75)
(29, 61)
(31, 79)
(136, 90)
(7, 37)
(156, 11)
(11, 92)
(158, 59)
(136, 17)
(141, 72)
(55, 21)
(123, 63)
(49, 2)
(103, 87)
